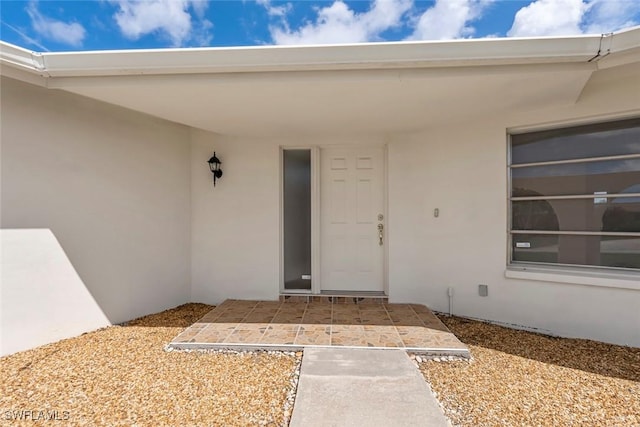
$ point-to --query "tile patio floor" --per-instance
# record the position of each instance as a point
(241, 324)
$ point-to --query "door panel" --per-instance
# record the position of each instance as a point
(351, 198)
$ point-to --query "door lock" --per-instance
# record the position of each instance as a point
(380, 234)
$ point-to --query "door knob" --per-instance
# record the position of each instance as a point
(380, 234)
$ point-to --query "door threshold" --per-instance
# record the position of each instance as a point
(356, 294)
(336, 297)
(296, 292)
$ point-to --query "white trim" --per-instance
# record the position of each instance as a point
(579, 233)
(23, 59)
(571, 122)
(575, 197)
(385, 195)
(604, 279)
(281, 218)
(316, 276)
(581, 160)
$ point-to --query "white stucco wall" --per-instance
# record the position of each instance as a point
(461, 170)
(466, 245)
(235, 226)
(42, 298)
(131, 200)
(114, 188)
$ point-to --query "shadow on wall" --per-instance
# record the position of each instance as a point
(43, 298)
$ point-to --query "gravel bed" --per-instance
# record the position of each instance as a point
(518, 378)
(121, 375)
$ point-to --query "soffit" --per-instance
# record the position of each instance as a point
(377, 102)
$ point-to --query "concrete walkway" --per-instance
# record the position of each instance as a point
(360, 387)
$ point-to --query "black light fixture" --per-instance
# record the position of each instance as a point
(214, 165)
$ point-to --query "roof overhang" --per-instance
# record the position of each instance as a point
(370, 88)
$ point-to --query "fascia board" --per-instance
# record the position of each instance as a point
(620, 49)
(396, 55)
(22, 59)
(625, 40)
(333, 57)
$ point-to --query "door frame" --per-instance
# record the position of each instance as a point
(316, 279)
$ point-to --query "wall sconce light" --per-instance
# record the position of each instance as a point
(214, 165)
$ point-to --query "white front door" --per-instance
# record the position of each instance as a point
(351, 212)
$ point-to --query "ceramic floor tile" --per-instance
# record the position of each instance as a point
(346, 320)
(372, 307)
(259, 318)
(315, 318)
(372, 318)
(265, 309)
(239, 306)
(224, 304)
(321, 323)
(280, 334)
(419, 308)
(320, 310)
(295, 299)
(346, 308)
(413, 336)
(245, 336)
(287, 319)
(290, 313)
(314, 335)
(187, 335)
(293, 308)
(210, 316)
(387, 339)
(398, 307)
(230, 318)
(214, 333)
(269, 304)
(348, 336)
(432, 322)
(412, 320)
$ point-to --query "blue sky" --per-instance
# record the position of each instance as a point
(48, 25)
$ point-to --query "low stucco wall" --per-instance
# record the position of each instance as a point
(42, 298)
(111, 184)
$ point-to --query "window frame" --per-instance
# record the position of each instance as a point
(563, 128)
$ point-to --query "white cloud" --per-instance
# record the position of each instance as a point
(548, 18)
(448, 19)
(338, 23)
(169, 18)
(71, 33)
(604, 16)
(566, 17)
(277, 11)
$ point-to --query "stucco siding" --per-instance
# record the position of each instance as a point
(111, 184)
(235, 225)
(462, 171)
